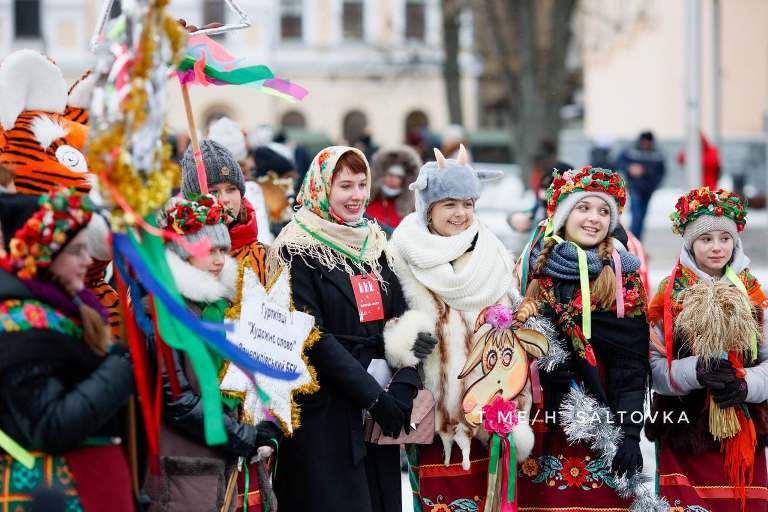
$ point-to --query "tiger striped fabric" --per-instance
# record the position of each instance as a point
(255, 255)
(95, 281)
(41, 169)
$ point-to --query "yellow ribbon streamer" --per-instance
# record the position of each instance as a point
(16, 451)
(586, 298)
(733, 278)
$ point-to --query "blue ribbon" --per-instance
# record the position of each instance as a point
(213, 337)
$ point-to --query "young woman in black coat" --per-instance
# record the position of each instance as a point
(340, 275)
(62, 377)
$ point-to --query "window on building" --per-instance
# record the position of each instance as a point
(415, 20)
(290, 20)
(26, 18)
(293, 119)
(352, 20)
(354, 127)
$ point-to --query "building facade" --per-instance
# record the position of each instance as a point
(371, 66)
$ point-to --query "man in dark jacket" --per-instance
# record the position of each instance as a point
(644, 166)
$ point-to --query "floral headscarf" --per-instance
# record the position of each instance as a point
(316, 190)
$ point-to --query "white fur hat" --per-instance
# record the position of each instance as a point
(447, 179)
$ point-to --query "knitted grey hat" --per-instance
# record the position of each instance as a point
(447, 179)
(220, 167)
(217, 235)
(707, 223)
(569, 203)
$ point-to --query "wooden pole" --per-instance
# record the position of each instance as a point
(201, 177)
(231, 486)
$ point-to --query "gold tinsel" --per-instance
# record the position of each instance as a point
(233, 313)
(143, 194)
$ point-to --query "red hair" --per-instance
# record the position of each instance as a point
(352, 161)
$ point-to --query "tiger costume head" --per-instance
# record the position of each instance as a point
(43, 127)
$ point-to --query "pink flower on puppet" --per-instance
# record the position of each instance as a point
(499, 316)
(500, 416)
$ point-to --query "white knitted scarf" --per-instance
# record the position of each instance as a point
(483, 280)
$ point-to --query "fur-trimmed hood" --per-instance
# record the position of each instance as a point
(409, 160)
(200, 286)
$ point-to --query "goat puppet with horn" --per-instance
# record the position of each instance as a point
(496, 399)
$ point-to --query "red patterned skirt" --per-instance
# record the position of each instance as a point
(560, 477)
(437, 487)
(698, 482)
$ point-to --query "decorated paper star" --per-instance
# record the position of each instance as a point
(273, 332)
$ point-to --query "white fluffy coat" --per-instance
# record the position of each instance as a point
(454, 331)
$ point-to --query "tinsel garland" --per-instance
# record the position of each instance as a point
(585, 420)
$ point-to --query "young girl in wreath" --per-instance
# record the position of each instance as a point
(710, 361)
(195, 476)
(587, 283)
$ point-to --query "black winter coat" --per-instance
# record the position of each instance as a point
(184, 412)
(327, 466)
(621, 348)
(56, 391)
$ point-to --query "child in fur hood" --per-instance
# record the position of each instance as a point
(194, 475)
(700, 297)
(451, 267)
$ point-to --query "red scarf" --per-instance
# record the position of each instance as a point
(244, 233)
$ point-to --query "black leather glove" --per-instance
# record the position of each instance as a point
(628, 458)
(268, 434)
(717, 375)
(388, 413)
(424, 345)
(734, 393)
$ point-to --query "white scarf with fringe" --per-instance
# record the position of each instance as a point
(334, 246)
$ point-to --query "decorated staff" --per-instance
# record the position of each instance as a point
(503, 351)
(137, 51)
(584, 280)
(709, 353)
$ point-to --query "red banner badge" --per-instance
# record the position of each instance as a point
(368, 296)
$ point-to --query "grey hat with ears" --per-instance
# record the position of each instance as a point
(448, 179)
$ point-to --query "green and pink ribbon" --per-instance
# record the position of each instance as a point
(206, 62)
(499, 418)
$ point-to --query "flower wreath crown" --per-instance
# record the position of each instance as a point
(702, 201)
(190, 214)
(62, 213)
(588, 179)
